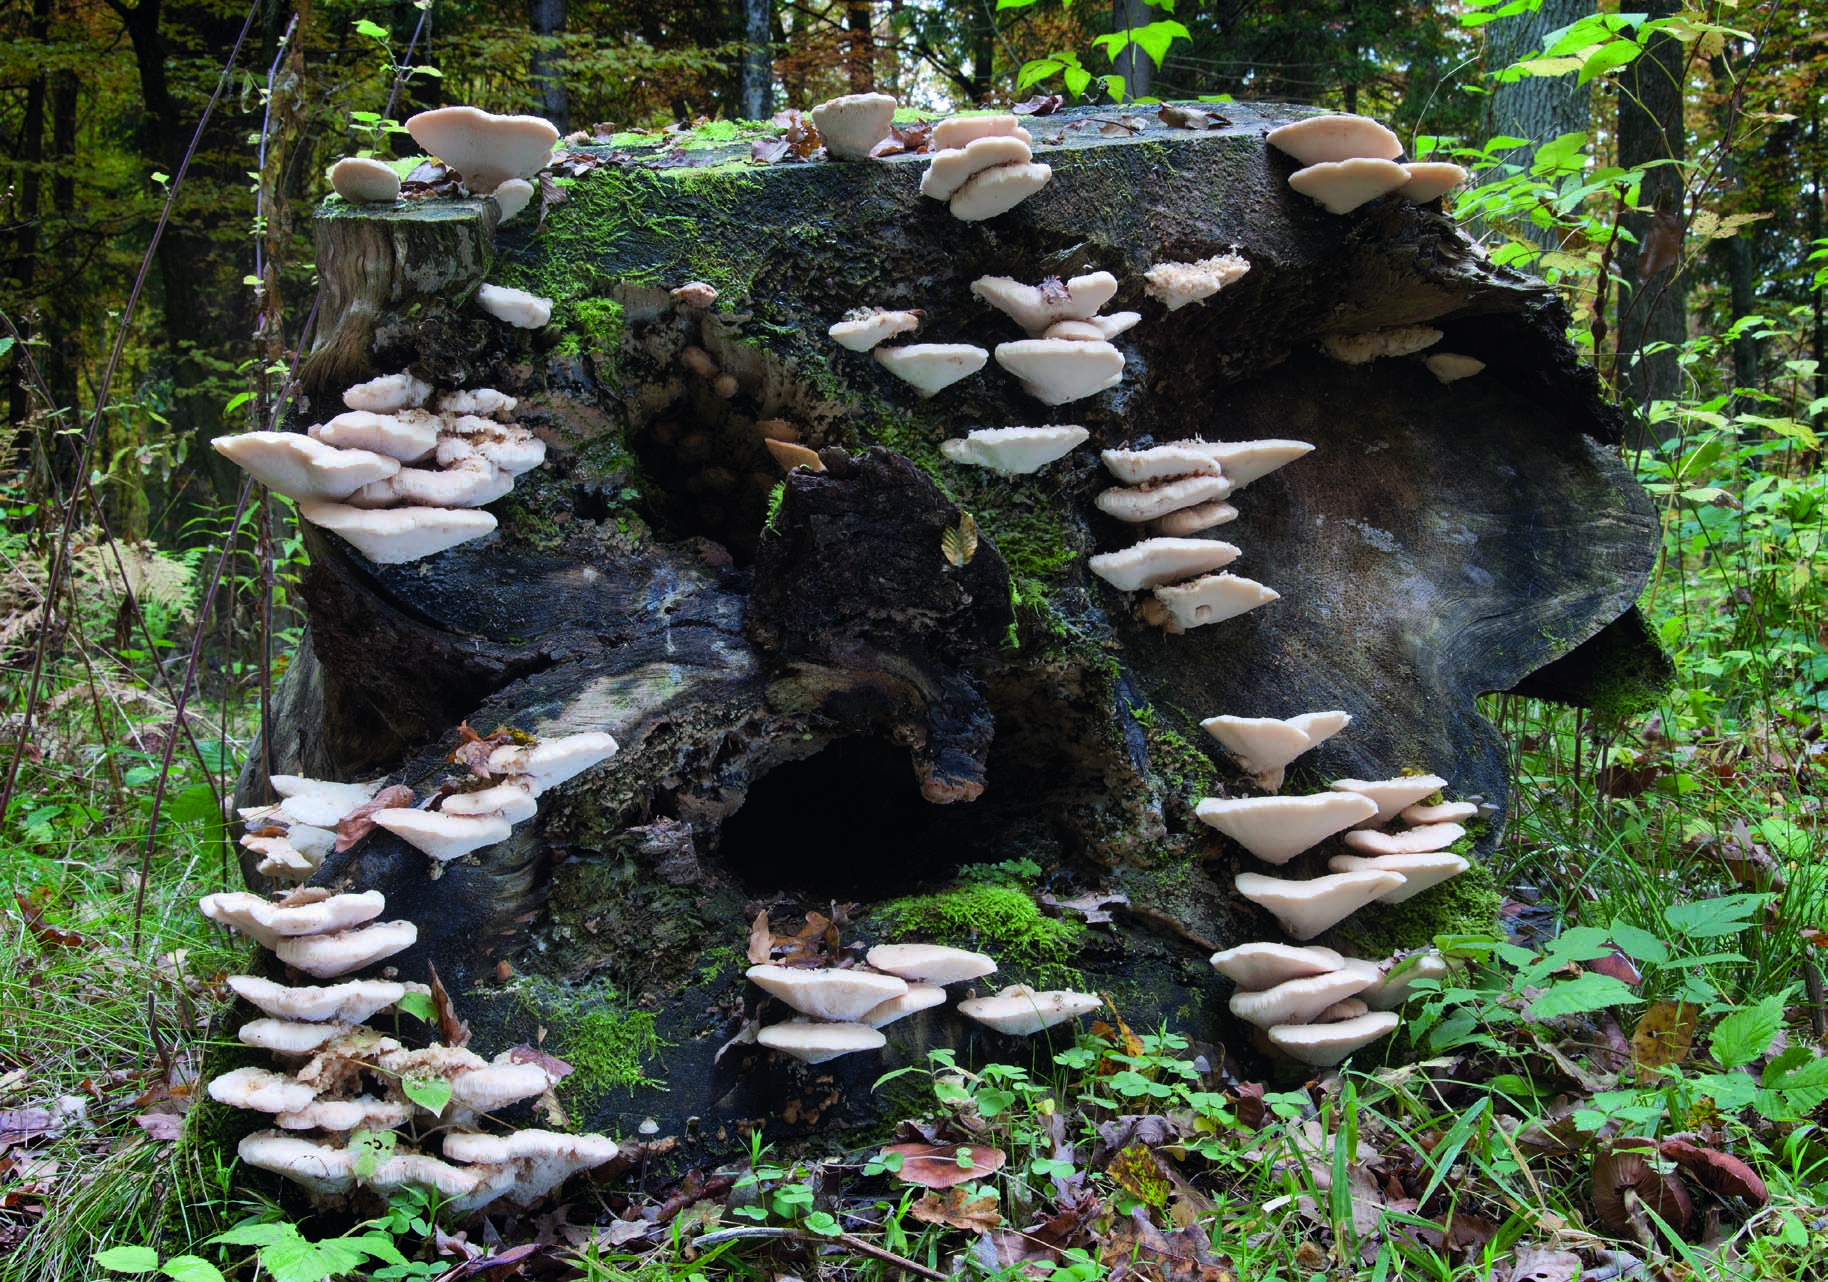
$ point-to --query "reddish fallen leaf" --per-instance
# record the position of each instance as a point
(1616, 965)
(557, 1069)
(1135, 1248)
(164, 1127)
(358, 823)
(1039, 105)
(451, 1030)
(938, 1166)
(21, 1125)
(1662, 245)
(1251, 1110)
(1190, 117)
(959, 1210)
(48, 936)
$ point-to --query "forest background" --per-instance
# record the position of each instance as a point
(159, 162)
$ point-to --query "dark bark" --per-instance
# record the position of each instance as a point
(814, 704)
(27, 213)
(860, 40)
(1537, 108)
(546, 22)
(756, 92)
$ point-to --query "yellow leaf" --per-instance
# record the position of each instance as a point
(1664, 1035)
(960, 544)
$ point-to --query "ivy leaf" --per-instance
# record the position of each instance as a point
(128, 1259)
(429, 1093)
(371, 1148)
(960, 544)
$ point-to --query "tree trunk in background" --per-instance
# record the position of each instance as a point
(861, 55)
(1653, 288)
(755, 95)
(546, 20)
(1539, 108)
(60, 326)
(1135, 66)
(25, 236)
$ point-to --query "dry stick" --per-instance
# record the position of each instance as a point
(60, 558)
(861, 1245)
(1818, 1005)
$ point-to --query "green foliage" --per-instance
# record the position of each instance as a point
(989, 913)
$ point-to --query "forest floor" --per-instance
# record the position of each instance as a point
(1624, 1078)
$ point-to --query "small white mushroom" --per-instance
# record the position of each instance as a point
(1161, 463)
(949, 170)
(365, 181)
(1191, 520)
(511, 801)
(1136, 505)
(470, 483)
(328, 956)
(1014, 451)
(1257, 966)
(485, 148)
(508, 446)
(1247, 461)
(1324, 1045)
(1344, 185)
(1420, 840)
(319, 801)
(349, 1003)
(1177, 284)
(918, 997)
(1430, 180)
(476, 400)
(540, 1160)
(551, 762)
(1276, 829)
(1450, 367)
(1362, 349)
(1154, 562)
(1297, 1001)
(1446, 812)
(1264, 746)
(1335, 137)
(387, 393)
(1305, 908)
(862, 329)
(443, 835)
(1391, 795)
(852, 124)
(932, 367)
(1036, 307)
(827, 992)
(814, 1043)
(267, 922)
(499, 1084)
(511, 197)
(1394, 984)
(398, 436)
(695, 293)
(960, 131)
(514, 306)
(279, 859)
(1420, 872)
(289, 1037)
(930, 963)
(1055, 371)
(1211, 598)
(292, 464)
(398, 535)
(363, 1113)
(321, 1168)
(261, 1090)
(991, 192)
(1019, 1011)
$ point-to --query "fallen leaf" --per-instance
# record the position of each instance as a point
(48, 936)
(557, 1069)
(451, 1030)
(1190, 118)
(1135, 1248)
(1538, 1264)
(1662, 244)
(938, 1166)
(959, 1210)
(1664, 1034)
(358, 823)
(761, 940)
(960, 544)
(161, 1126)
(1090, 906)
(1039, 105)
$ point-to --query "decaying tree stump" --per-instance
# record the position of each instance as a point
(817, 707)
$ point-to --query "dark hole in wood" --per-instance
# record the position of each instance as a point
(847, 822)
(707, 474)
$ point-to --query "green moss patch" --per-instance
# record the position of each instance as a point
(609, 1045)
(1000, 918)
(1467, 905)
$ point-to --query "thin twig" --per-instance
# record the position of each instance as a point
(849, 1240)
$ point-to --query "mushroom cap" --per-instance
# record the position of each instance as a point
(471, 483)
(267, 922)
(1019, 1011)
(387, 393)
(694, 293)
(1247, 461)
(319, 802)
(1345, 1008)
(1258, 966)
(508, 446)
(515, 306)
(1324, 1045)
(476, 400)
(932, 367)
(930, 963)
(1161, 463)
(1014, 451)
(1056, 371)
(814, 1043)
(363, 1113)
(319, 1167)
(950, 169)
(827, 992)
(960, 131)
(348, 1003)
(1153, 562)
(861, 330)
(1336, 137)
(365, 181)
(1451, 367)
(790, 456)
(1393, 985)
(1321, 726)
(1177, 284)
(1191, 520)
(485, 148)
(1364, 347)
(442, 834)
(1715, 1171)
(398, 535)
(551, 762)
(1305, 908)
(289, 1037)
(292, 464)
(1297, 1001)
(1429, 180)
(1342, 186)
(1212, 598)
(1262, 745)
(398, 437)
(1420, 872)
(498, 1085)
(461, 1189)
(1276, 829)
(511, 197)
(280, 860)
(1036, 307)
(990, 192)
(918, 997)
(1080, 331)
(1631, 1166)
(852, 124)
(327, 956)
(1134, 505)
(509, 800)
(261, 1090)
(1391, 795)
(1420, 840)
(540, 1160)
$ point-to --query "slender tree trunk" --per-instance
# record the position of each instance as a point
(546, 20)
(1132, 63)
(1820, 343)
(756, 93)
(25, 238)
(1653, 292)
(1536, 108)
(983, 60)
(59, 364)
(860, 20)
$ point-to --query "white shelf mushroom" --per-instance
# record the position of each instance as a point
(1362, 349)
(1175, 285)
(1154, 562)
(1450, 367)
(827, 992)
(816, 1042)
(919, 997)
(321, 1168)
(1305, 908)
(516, 307)
(1420, 840)
(1276, 829)
(932, 367)
(862, 329)
(261, 1090)
(1036, 308)
(1325, 1045)
(1319, 139)
(1264, 746)
(1446, 812)
(302, 469)
(510, 198)
(851, 125)
(328, 956)
(1396, 982)
(442, 834)
(1160, 463)
(1209, 599)
(1257, 966)
(1298, 1001)
(303, 912)
(1420, 871)
(289, 1037)
(1021, 1012)
(388, 393)
(1014, 451)
(394, 536)
(539, 1161)
(1430, 180)
(485, 148)
(1245, 461)
(350, 1002)
(951, 169)
(409, 437)
(930, 963)
(362, 180)
(1391, 795)
(510, 801)
(959, 131)
(1342, 186)
(1193, 519)
(1134, 505)
(320, 802)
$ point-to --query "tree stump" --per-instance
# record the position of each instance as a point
(818, 710)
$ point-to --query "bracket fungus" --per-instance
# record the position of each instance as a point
(1362, 349)
(1209, 599)
(1445, 812)
(328, 956)
(1175, 285)
(919, 997)
(1264, 746)
(1245, 461)
(320, 801)
(407, 438)
(511, 197)
(826, 992)
(1257, 966)
(814, 1042)
(1342, 186)
(1319, 139)
(393, 536)
(303, 912)
(1325, 1045)
(1450, 367)
(854, 123)
(1014, 451)
(1057, 370)
(932, 367)
(350, 1003)
(1160, 463)
(930, 963)
(364, 181)
(445, 834)
(864, 327)
(485, 148)
(514, 306)
(1019, 1011)
(1038, 307)
(951, 169)
(981, 167)
(1276, 829)
(1391, 795)
(1398, 977)
(1154, 562)
(1430, 180)
(1297, 1001)
(1305, 908)
(303, 469)
(1421, 839)
(387, 393)
(1421, 871)
(1134, 505)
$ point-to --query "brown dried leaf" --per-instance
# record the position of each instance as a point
(1190, 117)
(358, 823)
(164, 1127)
(1662, 244)
(451, 1030)
(761, 940)
(557, 1069)
(1664, 1034)
(937, 1166)
(960, 544)
(1536, 1264)
(1135, 1248)
(31, 907)
(1039, 105)
(769, 150)
(960, 1211)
